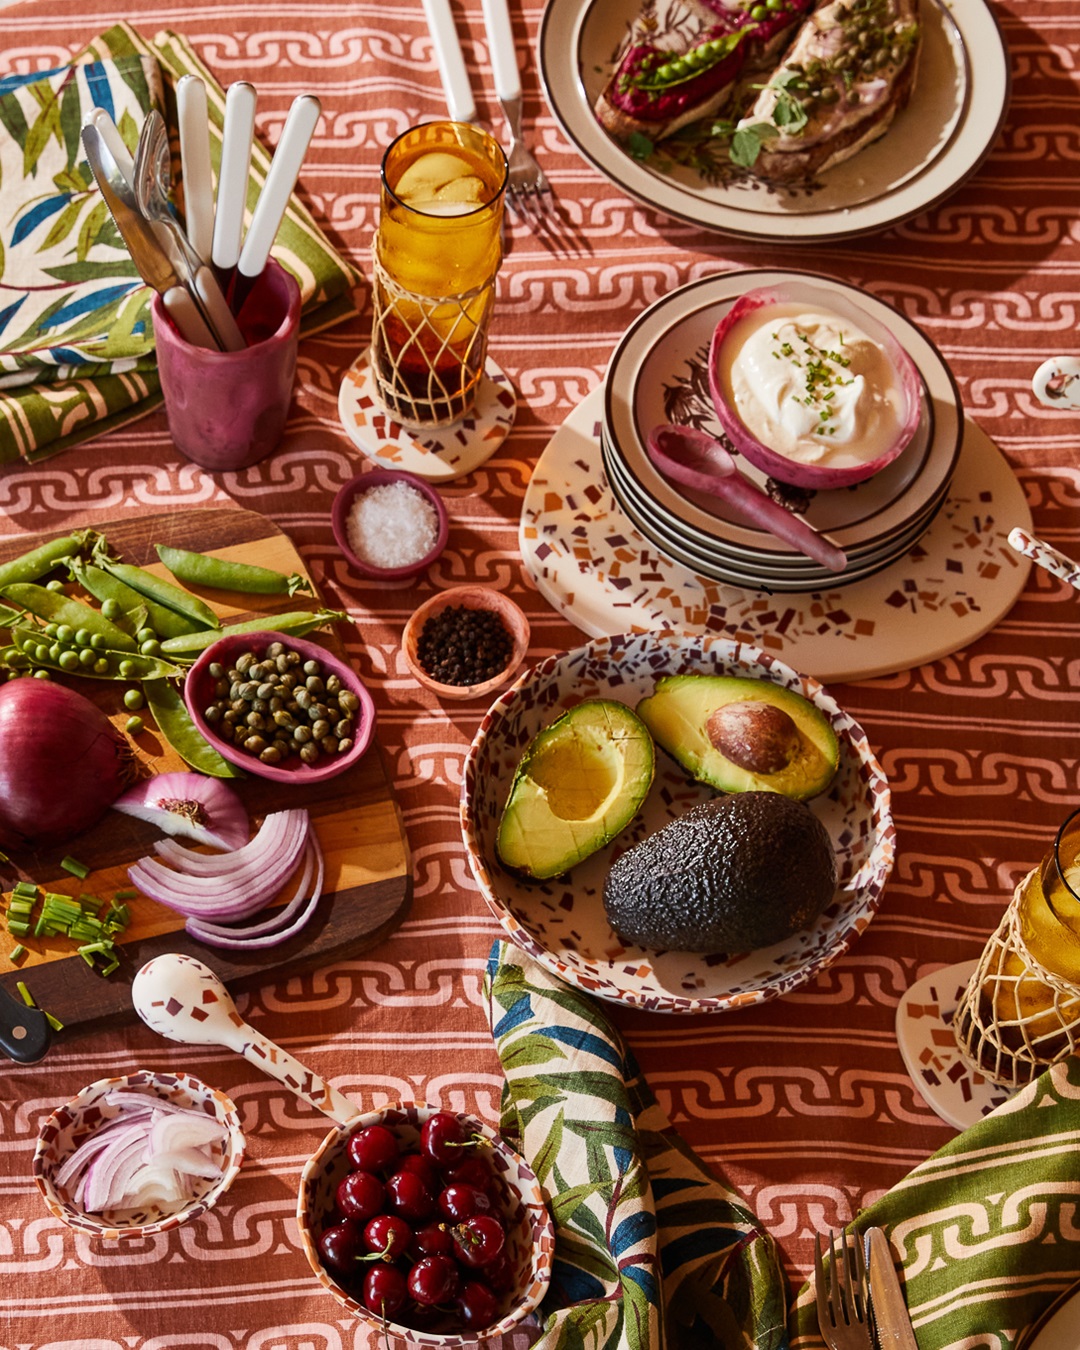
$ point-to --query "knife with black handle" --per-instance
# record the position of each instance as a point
(24, 1031)
(892, 1325)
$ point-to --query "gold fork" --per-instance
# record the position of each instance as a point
(842, 1294)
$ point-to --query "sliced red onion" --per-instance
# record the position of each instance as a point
(190, 805)
(282, 924)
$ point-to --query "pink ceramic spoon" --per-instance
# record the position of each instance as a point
(696, 460)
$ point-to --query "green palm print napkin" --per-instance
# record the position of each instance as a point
(652, 1250)
(76, 340)
(987, 1230)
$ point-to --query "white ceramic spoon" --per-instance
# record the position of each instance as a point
(183, 1000)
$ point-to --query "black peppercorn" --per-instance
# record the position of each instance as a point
(462, 646)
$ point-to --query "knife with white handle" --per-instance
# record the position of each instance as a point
(455, 78)
(503, 53)
(232, 187)
(193, 116)
(892, 1325)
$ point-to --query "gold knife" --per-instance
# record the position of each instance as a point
(892, 1325)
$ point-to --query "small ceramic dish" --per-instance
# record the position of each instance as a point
(530, 1235)
(364, 482)
(562, 922)
(199, 693)
(70, 1124)
(467, 597)
(890, 369)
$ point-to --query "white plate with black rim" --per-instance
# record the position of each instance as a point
(935, 144)
(657, 374)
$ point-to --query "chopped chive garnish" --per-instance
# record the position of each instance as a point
(127, 895)
(25, 888)
(17, 952)
(25, 994)
(54, 1022)
(75, 867)
(18, 927)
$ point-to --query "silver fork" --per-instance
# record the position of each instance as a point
(528, 190)
(842, 1295)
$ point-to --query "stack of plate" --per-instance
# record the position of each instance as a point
(658, 374)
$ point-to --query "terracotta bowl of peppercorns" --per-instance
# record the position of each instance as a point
(254, 694)
(465, 642)
(427, 1226)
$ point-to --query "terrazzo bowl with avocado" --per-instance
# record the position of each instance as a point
(560, 920)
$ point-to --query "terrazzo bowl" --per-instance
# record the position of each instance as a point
(530, 1234)
(562, 922)
(364, 482)
(87, 1111)
(470, 597)
(199, 691)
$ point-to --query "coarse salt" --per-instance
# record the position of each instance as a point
(392, 525)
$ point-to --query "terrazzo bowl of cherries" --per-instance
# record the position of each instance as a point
(389, 524)
(466, 642)
(103, 1160)
(329, 716)
(426, 1226)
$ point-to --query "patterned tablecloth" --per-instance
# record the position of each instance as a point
(804, 1101)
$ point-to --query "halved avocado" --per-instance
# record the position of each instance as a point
(743, 735)
(580, 782)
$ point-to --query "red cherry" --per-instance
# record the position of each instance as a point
(340, 1246)
(478, 1306)
(409, 1197)
(479, 1240)
(388, 1235)
(500, 1274)
(432, 1240)
(424, 1168)
(473, 1170)
(442, 1137)
(434, 1279)
(459, 1202)
(372, 1148)
(361, 1196)
(385, 1289)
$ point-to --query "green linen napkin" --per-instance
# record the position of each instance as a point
(988, 1229)
(76, 340)
(652, 1250)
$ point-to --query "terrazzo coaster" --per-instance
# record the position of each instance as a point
(441, 453)
(951, 1087)
(952, 586)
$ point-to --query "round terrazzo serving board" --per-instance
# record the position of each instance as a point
(953, 586)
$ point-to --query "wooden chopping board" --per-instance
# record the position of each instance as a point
(368, 882)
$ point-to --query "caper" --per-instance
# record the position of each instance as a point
(244, 662)
(254, 744)
(284, 719)
(329, 744)
(259, 705)
(315, 684)
(248, 689)
(217, 670)
(343, 728)
(293, 658)
(271, 755)
(320, 728)
(309, 753)
(212, 714)
(829, 94)
(287, 681)
(333, 684)
(281, 663)
(348, 701)
(301, 734)
(257, 671)
(303, 698)
(344, 745)
(266, 689)
(255, 721)
(276, 649)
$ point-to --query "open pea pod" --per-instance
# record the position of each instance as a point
(30, 648)
(159, 590)
(175, 724)
(55, 607)
(104, 586)
(295, 624)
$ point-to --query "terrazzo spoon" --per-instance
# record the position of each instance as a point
(183, 1000)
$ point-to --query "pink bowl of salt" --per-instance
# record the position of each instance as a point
(389, 524)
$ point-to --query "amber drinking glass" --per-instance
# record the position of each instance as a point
(436, 255)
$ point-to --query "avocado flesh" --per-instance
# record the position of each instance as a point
(677, 714)
(731, 875)
(579, 784)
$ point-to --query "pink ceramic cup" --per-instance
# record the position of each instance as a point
(227, 410)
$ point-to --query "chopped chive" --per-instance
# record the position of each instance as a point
(25, 994)
(17, 952)
(18, 927)
(54, 1022)
(126, 895)
(25, 888)
(75, 867)
(20, 906)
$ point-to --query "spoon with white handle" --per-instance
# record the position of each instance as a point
(183, 1000)
(194, 119)
(1047, 557)
(451, 61)
(236, 141)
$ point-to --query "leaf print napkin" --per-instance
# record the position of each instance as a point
(986, 1231)
(652, 1250)
(76, 340)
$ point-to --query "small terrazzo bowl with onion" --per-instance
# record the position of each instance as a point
(200, 693)
(89, 1110)
(389, 524)
(466, 598)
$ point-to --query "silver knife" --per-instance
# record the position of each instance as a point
(149, 257)
(892, 1325)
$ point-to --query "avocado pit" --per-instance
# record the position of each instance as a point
(758, 737)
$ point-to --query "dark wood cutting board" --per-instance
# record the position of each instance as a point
(368, 869)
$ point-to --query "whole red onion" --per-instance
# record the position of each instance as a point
(62, 763)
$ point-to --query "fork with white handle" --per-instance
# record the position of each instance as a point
(528, 190)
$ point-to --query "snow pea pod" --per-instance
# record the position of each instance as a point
(220, 574)
(295, 624)
(114, 665)
(34, 564)
(103, 586)
(55, 607)
(162, 592)
(175, 724)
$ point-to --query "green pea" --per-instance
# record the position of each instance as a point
(69, 660)
(127, 669)
(82, 638)
(41, 651)
(759, 12)
(54, 651)
(54, 585)
(98, 640)
(51, 630)
(133, 726)
(152, 647)
(42, 675)
(133, 700)
(112, 609)
(58, 609)
(87, 657)
(101, 666)
(65, 633)
(145, 635)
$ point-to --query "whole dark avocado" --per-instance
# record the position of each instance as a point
(731, 875)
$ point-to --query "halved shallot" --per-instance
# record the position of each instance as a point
(191, 805)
